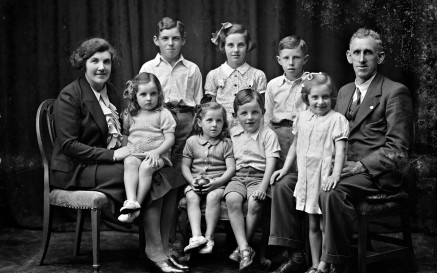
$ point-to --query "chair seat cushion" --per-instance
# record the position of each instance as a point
(381, 203)
(78, 199)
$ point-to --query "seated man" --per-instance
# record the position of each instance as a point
(380, 114)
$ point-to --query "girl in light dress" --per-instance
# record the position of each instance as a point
(319, 147)
(148, 132)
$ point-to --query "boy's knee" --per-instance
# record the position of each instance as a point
(234, 201)
(254, 207)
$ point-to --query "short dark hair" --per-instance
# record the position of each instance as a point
(88, 48)
(365, 32)
(245, 96)
(292, 42)
(235, 29)
(169, 23)
(311, 80)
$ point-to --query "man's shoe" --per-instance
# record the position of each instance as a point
(290, 266)
(337, 268)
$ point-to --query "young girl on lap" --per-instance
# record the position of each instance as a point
(256, 149)
(148, 132)
(235, 74)
(319, 146)
(207, 154)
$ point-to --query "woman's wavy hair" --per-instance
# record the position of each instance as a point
(131, 90)
(88, 48)
(201, 111)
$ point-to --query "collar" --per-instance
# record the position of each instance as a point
(202, 141)
(239, 130)
(229, 70)
(284, 80)
(103, 94)
(158, 59)
(311, 115)
(365, 85)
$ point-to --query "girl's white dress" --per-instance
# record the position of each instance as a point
(315, 150)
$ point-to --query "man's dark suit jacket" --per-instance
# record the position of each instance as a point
(381, 133)
(81, 130)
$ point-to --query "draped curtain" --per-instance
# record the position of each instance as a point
(38, 36)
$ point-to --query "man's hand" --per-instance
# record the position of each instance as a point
(352, 168)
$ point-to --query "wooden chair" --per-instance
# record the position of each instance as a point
(78, 200)
(377, 207)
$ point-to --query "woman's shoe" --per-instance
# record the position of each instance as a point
(178, 263)
(163, 266)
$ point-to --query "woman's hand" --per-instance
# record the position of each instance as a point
(121, 153)
(277, 175)
(259, 195)
(330, 182)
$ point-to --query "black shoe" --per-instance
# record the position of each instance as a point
(290, 266)
(178, 263)
(163, 267)
(338, 268)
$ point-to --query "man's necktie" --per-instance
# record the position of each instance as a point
(355, 105)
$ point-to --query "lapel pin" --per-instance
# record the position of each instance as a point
(371, 107)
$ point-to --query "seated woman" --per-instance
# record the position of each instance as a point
(86, 153)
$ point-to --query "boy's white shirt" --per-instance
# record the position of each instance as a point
(289, 93)
(175, 89)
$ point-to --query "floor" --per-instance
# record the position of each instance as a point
(119, 253)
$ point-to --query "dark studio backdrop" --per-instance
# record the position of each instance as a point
(37, 38)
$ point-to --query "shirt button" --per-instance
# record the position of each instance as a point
(235, 85)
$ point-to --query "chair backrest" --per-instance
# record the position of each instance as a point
(45, 132)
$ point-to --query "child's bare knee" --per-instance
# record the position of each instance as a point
(234, 202)
(214, 196)
(146, 168)
(131, 162)
(192, 197)
(254, 207)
